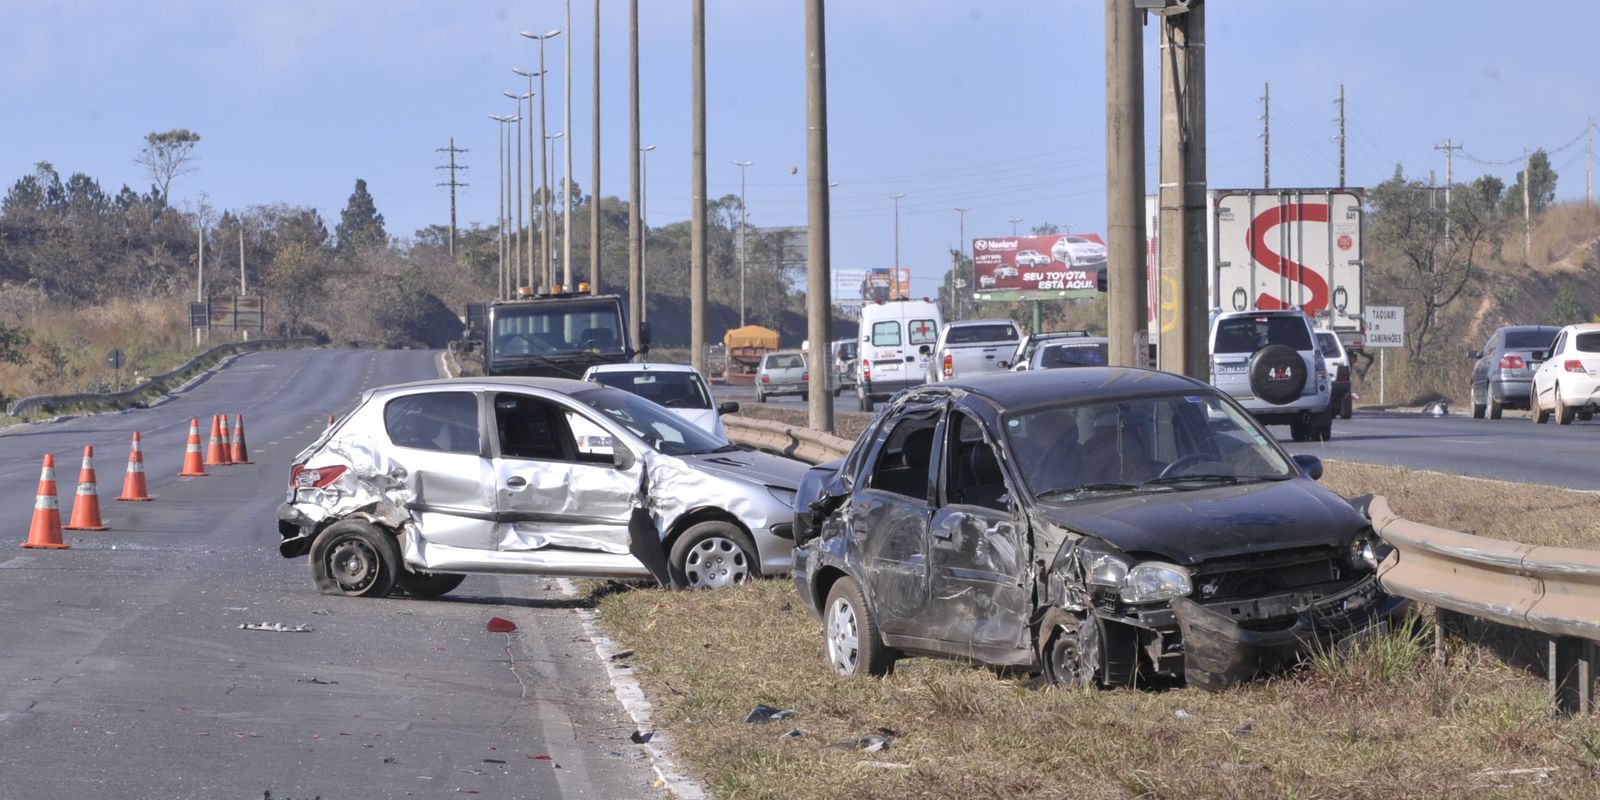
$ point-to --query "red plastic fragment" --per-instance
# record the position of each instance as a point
(500, 625)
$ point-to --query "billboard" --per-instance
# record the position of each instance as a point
(1036, 267)
(883, 285)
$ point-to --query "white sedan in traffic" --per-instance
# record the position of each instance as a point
(679, 387)
(1568, 382)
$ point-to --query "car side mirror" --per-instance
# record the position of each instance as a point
(622, 458)
(728, 408)
(1310, 465)
(1474, 354)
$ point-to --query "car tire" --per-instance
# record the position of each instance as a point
(1535, 412)
(1347, 408)
(1069, 650)
(712, 555)
(864, 401)
(1477, 407)
(850, 634)
(837, 392)
(428, 585)
(354, 558)
(760, 398)
(1564, 413)
(1322, 431)
(1270, 359)
(1496, 408)
(805, 397)
(1299, 431)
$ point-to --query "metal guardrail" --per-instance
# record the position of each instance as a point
(1551, 590)
(48, 402)
(775, 437)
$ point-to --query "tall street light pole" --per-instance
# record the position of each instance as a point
(961, 248)
(697, 189)
(644, 232)
(741, 165)
(552, 147)
(594, 165)
(1014, 221)
(544, 170)
(531, 192)
(894, 279)
(516, 267)
(566, 177)
(500, 236)
(635, 179)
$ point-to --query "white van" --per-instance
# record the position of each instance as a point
(897, 340)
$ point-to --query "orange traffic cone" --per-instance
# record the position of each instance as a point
(227, 441)
(133, 487)
(192, 466)
(330, 422)
(86, 506)
(46, 528)
(241, 453)
(216, 454)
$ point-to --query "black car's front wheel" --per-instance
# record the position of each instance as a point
(851, 633)
(354, 558)
(1069, 649)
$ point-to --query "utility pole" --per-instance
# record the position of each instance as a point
(895, 279)
(742, 165)
(517, 118)
(1014, 221)
(1527, 210)
(500, 232)
(644, 231)
(819, 301)
(1340, 103)
(452, 150)
(594, 165)
(1588, 163)
(1125, 240)
(566, 170)
(200, 280)
(544, 169)
(1266, 136)
(525, 255)
(1182, 275)
(1449, 147)
(635, 179)
(961, 249)
(697, 190)
(242, 289)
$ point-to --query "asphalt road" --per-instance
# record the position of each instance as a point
(124, 672)
(1509, 449)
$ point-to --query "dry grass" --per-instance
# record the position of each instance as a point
(69, 345)
(1384, 721)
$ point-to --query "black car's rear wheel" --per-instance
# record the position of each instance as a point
(851, 634)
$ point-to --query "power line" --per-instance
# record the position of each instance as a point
(453, 184)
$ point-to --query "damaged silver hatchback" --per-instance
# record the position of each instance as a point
(1102, 526)
(425, 482)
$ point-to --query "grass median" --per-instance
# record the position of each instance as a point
(1381, 721)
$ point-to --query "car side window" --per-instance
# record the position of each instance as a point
(442, 421)
(533, 428)
(886, 333)
(1558, 345)
(972, 467)
(904, 462)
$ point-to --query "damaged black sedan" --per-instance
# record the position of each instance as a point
(1103, 526)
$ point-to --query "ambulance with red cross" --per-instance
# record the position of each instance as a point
(897, 340)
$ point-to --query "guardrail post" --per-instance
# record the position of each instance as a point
(1572, 672)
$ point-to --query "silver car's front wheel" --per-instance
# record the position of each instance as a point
(712, 555)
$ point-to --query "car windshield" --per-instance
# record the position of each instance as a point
(967, 334)
(1167, 442)
(1087, 354)
(1530, 338)
(661, 429)
(672, 389)
(1249, 334)
(547, 328)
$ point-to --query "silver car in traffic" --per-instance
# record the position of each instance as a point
(425, 482)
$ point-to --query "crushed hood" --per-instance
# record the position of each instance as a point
(750, 465)
(1191, 527)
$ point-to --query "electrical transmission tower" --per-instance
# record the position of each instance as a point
(453, 184)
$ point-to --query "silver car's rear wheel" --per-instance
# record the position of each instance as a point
(354, 559)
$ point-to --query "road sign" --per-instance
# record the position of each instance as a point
(200, 315)
(115, 359)
(1386, 326)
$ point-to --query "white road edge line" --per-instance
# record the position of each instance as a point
(16, 562)
(633, 701)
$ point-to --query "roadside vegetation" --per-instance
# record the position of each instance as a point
(1381, 720)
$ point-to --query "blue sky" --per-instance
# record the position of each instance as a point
(994, 105)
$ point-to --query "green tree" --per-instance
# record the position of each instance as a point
(1566, 308)
(167, 155)
(1541, 187)
(360, 224)
(1409, 225)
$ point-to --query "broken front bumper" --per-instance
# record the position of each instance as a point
(1218, 653)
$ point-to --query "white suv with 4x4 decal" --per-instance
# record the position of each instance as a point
(1269, 362)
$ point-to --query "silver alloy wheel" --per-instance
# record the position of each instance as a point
(353, 564)
(716, 562)
(844, 637)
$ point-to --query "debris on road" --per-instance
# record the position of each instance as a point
(763, 714)
(792, 733)
(866, 744)
(641, 737)
(500, 625)
(276, 627)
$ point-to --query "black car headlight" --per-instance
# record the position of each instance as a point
(1366, 551)
(1134, 582)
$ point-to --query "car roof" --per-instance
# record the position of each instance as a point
(986, 321)
(1050, 387)
(644, 367)
(1584, 327)
(557, 385)
(1073, 341)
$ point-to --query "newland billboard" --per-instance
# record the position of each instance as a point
(1036, 267)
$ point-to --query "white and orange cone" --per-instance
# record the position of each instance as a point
(45, 532)
(133, 485)
(216, 451)
(193, 467)
(86, 505)
(241, 453)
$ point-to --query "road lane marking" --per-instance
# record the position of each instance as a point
(19, 561)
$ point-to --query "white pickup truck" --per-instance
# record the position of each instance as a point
(973, 347)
